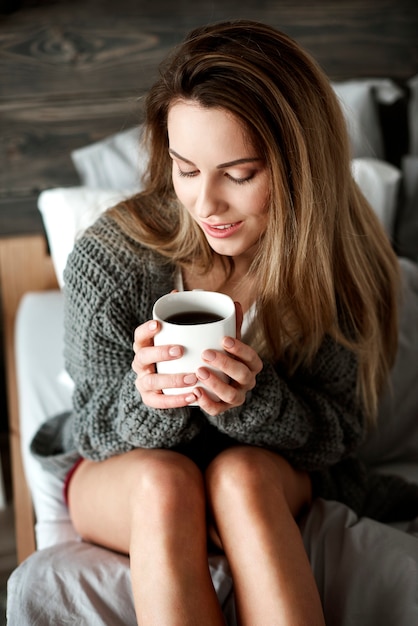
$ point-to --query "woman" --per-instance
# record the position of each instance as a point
(249, 193)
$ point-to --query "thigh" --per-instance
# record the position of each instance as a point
(102, 495)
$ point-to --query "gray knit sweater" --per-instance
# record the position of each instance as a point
(111, 283)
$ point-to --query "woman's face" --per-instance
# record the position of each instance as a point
(218, 177)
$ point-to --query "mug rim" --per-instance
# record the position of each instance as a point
(187, 299)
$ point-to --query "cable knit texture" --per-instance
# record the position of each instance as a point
(311, 418)
(111, 284)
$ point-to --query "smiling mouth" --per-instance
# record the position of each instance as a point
(223, 226)
(221, 230)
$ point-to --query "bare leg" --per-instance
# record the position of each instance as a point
(151, 504)
(255, 495)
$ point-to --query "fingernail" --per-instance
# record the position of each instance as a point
(190, 379)
(152, 325)
(209, 355)
(228, 342)
(191, 398)
(174, 351)
(202, 373)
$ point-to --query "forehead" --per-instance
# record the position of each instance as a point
(191, 124)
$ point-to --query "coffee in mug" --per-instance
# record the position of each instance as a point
(193, 317)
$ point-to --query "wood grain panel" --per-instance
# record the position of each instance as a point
(79, 59)
(40, 133)
(81, 47)
(74, 72)
(20, 216)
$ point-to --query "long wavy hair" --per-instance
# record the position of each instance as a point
(324, 264)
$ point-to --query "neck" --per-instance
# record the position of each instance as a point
(239, 286)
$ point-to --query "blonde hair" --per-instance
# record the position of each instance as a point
(334, 270)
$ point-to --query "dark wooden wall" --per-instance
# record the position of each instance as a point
(74, 71)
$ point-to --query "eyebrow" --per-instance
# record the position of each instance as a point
(222, 165)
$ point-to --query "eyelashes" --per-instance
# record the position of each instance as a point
(187, 174)
(237, 181)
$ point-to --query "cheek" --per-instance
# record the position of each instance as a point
(178, 189)
(258, 205)
(259, 200)
(261, 223)
(182, 190)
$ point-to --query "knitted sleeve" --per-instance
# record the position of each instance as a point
(313, 418)
(110, 286)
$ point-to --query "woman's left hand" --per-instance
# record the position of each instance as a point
(240, 363)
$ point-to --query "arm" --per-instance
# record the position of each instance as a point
(110, 285)
(312, 418)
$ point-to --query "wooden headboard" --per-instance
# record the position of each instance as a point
(25, 265)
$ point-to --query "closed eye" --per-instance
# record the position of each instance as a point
(187, 174)
(237, 181)
(240, 181)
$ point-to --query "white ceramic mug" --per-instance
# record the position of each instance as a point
(197, 320)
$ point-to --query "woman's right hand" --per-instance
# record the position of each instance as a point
(148, 382)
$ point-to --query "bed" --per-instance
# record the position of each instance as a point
(367, 572)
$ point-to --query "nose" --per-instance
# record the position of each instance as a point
(209, 200)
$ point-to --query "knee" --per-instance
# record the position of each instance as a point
(169, 481)
(242, 469)
(247, 474)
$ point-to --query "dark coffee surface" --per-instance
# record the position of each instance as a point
(193, 317)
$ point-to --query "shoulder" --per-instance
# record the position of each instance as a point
(111, 280)
(106, 255)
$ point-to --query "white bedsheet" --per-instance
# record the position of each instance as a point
(43, 392)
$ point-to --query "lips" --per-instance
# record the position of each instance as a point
(221, 231)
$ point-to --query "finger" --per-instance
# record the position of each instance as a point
(151, 382)
(208, 404)
(243, 352)
(227, 392)
(154, 354)
(235, 370)
(165, 401)
(242, 372)
(144, 334)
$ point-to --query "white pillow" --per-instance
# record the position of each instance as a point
(67, 212)
(379, 181)
(359, 100)
(117, 162)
